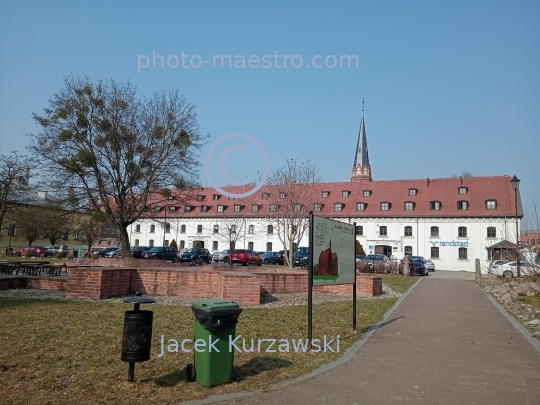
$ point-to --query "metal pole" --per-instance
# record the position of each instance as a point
(310, 279)
(517, 235)
(354, 284)
(131, 371)
(164, 230)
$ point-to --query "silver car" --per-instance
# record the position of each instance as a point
(509, 270)
(430, 266)
(222, 256)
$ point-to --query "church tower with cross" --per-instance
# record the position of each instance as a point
(361, 170)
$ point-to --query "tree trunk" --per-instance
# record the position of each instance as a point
(124, 240)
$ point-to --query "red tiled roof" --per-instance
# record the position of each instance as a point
(396, 192)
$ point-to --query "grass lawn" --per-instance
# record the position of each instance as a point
(66, 352)
(397, 282)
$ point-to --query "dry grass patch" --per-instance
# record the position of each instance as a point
(65, 352)
(398, 282)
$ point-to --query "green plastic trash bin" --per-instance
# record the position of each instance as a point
(214, 327)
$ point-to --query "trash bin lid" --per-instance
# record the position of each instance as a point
(215, 305)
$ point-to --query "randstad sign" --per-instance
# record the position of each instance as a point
(450, 243)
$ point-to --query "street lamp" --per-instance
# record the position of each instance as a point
(515, 183)
(169, 198)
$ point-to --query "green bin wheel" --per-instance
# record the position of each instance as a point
(190, 372)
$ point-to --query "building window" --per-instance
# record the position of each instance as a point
(233, 228)
(268, 246)
(250, 245)
(172, 209)
(435, 231)
(413, 191)
(137, 228)
(215, 197)
(182, 244)
(462, 205)
(231, 198)
(337, 207)
(220, 208)
(532, 242)
(77, 235)
(167, 228)
(204, 208)
(491, 205)
(383, 231)
(255, 207)
(359, 230)
(187, 208)
(251, 229)
(385, 206)
(273, 207)
(325, 194)
(216, 228)
(462, 253)
(215, 245)
(491, 232)
(434, 252)
(408, 250)
(360, 206)
(182, 229)
(435, 205)
(282, 195)
(294, 229)
(269, 229)
(345, 193)
(166, 242)
(151, 243)
(237, 207)
(462, 190)
(317, 207)
(367, 193)
(409, 206)
(136, 243)
(199, 228)
(297, 207)
(152, 228)
(157, 209)
(408, 231)
(462, 232)
(265, 196)
(200, 197)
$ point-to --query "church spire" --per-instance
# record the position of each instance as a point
(361, 169)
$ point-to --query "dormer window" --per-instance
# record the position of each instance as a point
(187, 208)
(282, 195)
(338, 207)
(360, 206)
(220, 208)
(463, 205)
(237, 207)
(435, 205)
(317, 207)
(231, 198)
(345, 193)
(409, 206)
(200, 197)
(385, 206)
(255, 207)
(204, 208)
(367, 193)
(297, 207)
(172, 209)
(491, 205)
(215, 197)
(157, 209)
(462, 190)
(265, 196)
(273, 207)
(325, 194)
(413, 191)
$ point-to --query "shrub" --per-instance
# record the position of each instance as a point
(58, 256)
(27, 255)
(42, 255)
(95, 256)
(69, 256)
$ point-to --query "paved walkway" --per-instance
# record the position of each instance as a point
(447, 343)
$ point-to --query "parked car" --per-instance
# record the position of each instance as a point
(222, 256)
(430, 265)
(377, 262)
(301, 257)
(360, 258)
(32, 250)
(114, 253)
(509, 270)
(104, 251)
(193, 256)
(160, 252)
(272, 258)
(137, 251)
(245, 257)
(418, 265)
(55, 249)
(494, 266)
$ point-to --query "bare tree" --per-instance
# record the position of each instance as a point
(14, 179)
(292, 194)
(114, 149)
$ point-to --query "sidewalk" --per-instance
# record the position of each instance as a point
(445, 344)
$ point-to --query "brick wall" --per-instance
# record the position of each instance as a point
(244, 288)
(38, 283)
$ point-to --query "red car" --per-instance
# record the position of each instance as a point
(245, 257)
(32, 250)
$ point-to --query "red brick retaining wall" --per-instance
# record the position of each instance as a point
(38, 283)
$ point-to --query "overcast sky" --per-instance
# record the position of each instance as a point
(449, 86)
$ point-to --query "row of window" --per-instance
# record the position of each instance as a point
(408, 231)
(65, 235)
(215, 244)
(462, 252)
(251, 229)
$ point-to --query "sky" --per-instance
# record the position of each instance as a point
(449, 87)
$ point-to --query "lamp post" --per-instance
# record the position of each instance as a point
(515, 183)
(169, 198)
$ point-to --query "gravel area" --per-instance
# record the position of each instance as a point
(267, 301)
